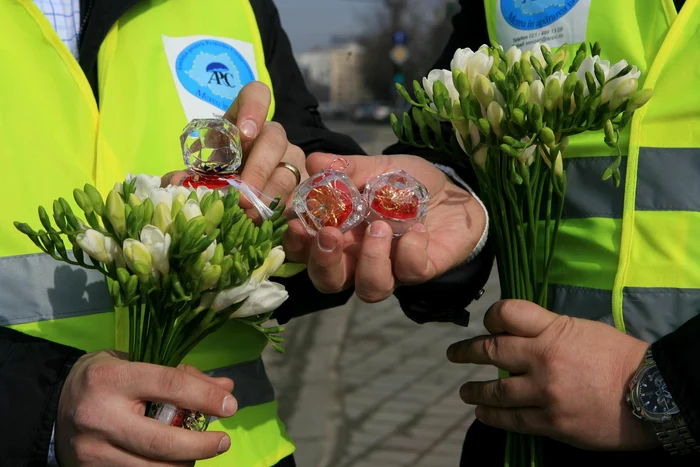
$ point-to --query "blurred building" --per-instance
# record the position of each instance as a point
(333, 73)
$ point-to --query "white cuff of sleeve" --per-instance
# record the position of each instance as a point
(449, 171)
(52, 451)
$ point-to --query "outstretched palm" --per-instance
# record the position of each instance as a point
(452, 226)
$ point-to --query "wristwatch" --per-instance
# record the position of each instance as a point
(652, 402)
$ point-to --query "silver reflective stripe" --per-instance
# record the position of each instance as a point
(649, 313)
(587, 194)
(251, 384)
(36, 287)
(667, 179)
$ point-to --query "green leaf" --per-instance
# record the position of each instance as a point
(396, 126)
(82, 200)
(408, 128)
(403, 93)
(289, 269)
(420, 94)
(98, 203)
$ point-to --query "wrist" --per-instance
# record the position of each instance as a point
(482, 211)
(653, 405)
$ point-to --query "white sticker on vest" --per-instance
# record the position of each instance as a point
(526, 22)
(209, 72)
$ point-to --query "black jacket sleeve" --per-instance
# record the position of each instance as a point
(447, 297)
(32, 372)
(296, 109)
(676, 355)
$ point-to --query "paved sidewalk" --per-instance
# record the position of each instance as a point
(362, 385)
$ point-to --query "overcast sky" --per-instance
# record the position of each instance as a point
(313, 22)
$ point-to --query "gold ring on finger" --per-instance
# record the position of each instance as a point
(293, 169)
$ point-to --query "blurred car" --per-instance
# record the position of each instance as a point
(372, 113)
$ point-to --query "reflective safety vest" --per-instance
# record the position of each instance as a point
(628, 256)
(162, 64)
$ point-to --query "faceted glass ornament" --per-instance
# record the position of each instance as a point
(329, 199)
(211, 146)
(398, 199)
(180, 418)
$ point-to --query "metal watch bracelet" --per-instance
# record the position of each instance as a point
(675, 437)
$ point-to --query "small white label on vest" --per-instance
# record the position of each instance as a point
(525, 22)
(209, 72)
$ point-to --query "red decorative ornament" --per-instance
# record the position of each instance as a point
(398, 199)
(396, 203)
(210, 181)
(329, 199)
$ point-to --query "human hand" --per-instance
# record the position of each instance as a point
(101, 413)
(367, 256)
(265, 147)
(571, 378)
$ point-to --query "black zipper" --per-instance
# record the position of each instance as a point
(88, 10)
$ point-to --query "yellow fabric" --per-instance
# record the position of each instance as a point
(652, 249)
(55, 139)
(671, 119)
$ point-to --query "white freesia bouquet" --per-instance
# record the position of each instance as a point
(512, 112)
(182, 261)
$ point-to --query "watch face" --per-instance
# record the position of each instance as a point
(653, 394)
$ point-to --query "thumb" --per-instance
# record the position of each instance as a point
(359, 168)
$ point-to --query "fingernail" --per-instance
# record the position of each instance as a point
(327, 242)
(249, 129)
(463, 392)
(378, 229)
(224, 445)
(230, 405)
(451, 352)
(419, 228)
(479, 413)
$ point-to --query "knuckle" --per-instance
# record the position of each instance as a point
(161, 445)
(258, 173)
(412, 276)
(325, 282)
(98, 375)
(257, 87)
(276, 134)
(172, 382)
(507, 310)
(490, 348)
(499, 391)
(84, 418)
(213, 398)
(371, 294)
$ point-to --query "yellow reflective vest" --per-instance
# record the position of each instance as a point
(162, 64)
(627, 256)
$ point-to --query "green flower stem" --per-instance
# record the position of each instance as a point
(532, 230)
(547, 234)
(506, 227)
(509, 451)
(542, 299)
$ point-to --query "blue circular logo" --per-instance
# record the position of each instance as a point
(534, 14)
(213, 71)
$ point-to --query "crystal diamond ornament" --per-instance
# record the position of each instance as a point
(211, 146)
(211, 149)
(329, 199)
(398, 199)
